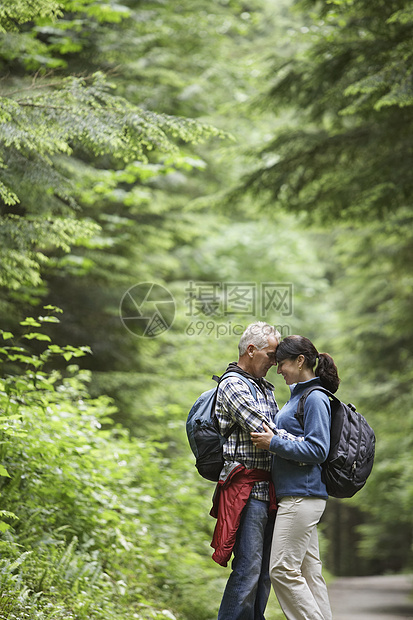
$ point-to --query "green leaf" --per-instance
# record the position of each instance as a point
(30, 321)
(37, 336)
(54, 348)
(53, 308)
(8, 514)
(4, 472)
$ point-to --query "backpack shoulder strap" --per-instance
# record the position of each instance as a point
(244, 379)
(299, 414)
(247, 382)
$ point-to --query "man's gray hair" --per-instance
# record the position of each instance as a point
(257, 334)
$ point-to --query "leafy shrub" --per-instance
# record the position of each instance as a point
(95, 524)
(84, 527)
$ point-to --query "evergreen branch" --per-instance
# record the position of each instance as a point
(31, 104)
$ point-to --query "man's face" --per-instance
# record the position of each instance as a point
(263, 359)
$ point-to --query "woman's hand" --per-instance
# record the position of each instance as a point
(262, 440)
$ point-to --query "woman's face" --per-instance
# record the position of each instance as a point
(289, 369)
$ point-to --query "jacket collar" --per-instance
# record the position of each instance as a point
(297, 388)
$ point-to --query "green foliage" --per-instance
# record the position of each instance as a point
(21, 11)
(343, 159)
(79, 114)
(99, 519)
(374, 284)
(107, 181)
(32, 238)
(178, 62)
(85, 118)
(84, 114)
(349, 156)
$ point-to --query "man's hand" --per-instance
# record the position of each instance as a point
(262, 440)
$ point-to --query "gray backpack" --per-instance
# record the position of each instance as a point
(203, 432)
(352, 446)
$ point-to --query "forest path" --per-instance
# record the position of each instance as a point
(372, 598)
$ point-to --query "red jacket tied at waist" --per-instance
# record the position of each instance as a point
(229, 499)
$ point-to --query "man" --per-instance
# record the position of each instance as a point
(245, 480)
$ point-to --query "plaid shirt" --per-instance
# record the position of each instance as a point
(235, 403)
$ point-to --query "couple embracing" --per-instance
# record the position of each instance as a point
(273, 539)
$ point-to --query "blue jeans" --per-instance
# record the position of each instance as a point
(248, 587)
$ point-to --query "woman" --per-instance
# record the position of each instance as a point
(295, 564)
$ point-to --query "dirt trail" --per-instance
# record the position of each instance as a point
(372, 598)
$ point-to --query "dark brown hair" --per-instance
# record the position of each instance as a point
(293, 346)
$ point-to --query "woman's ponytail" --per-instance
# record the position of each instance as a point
(327, 372)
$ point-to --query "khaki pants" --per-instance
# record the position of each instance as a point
(295, 565)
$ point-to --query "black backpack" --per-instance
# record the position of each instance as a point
(352, 447)
(203, 433)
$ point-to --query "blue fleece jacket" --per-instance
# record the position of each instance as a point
(296, 468)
